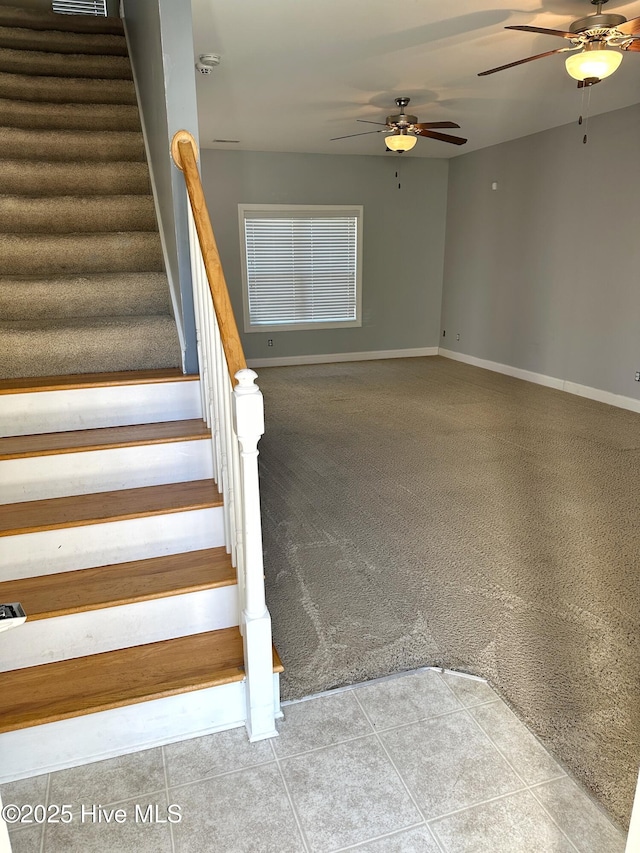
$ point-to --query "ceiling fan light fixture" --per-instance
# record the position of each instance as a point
(401, 141)
(595, 61)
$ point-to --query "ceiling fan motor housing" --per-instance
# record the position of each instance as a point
(596, 22)
(402, 120)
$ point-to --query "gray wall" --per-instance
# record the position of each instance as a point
(403, 239)
(543, 274)
(160, 43)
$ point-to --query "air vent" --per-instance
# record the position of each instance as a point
(80, 7)
(234, 141)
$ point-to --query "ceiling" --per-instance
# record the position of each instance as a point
(294, 73)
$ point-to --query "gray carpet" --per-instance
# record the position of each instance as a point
(421, 511)
(82, 283)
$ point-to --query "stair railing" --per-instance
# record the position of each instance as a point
(235, 414)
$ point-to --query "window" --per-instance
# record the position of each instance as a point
(301, 266)
(80, 7)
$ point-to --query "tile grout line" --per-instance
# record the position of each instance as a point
(392, 834)
(394, 676)
(296, 816)
(399, 775)
(325, 746)
(583, 793)
(385, 729)
(46, 800)
(166, 788)
(528, 786)
(467, 808)
(180, 785)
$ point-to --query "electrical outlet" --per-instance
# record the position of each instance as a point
(458, 336)
(270, 342)
(444, 333)
(637, 375)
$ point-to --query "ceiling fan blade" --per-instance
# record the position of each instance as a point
(522, 61)
(635, 45)
(630, 28)
(349, 135)
(425, 125)
(365, 121)
(443, 137)
(562, 33)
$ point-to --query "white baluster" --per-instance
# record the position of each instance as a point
(195, 256)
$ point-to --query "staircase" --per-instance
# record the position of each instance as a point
(130, 530)
(82, 282)
(112, 539)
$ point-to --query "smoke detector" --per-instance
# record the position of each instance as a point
(207, 62)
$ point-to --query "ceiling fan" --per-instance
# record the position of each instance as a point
(404, 129)
(599, 38)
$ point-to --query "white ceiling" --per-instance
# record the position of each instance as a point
(294, 73)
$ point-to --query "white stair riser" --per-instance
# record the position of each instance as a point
(91, 408)
(50, 551)
(94, 737)
(95, 631)
(59, 475)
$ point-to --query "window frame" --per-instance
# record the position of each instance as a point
(302, 211)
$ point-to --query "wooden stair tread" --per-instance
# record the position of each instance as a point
(71, 688)
(62, 593)
(119, 505)
(93, 380)
(48, 444)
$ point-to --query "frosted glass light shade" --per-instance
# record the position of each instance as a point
(401, 142)
(593, 63)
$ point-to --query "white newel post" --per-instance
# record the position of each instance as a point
(248, 417)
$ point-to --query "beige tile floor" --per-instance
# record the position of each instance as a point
(426, 762)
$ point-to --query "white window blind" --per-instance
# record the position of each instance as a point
(80, 7)
(301, 267)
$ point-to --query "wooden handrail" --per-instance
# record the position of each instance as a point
(183, 150)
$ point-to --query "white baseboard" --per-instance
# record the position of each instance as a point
(597, 394)
(330, 358)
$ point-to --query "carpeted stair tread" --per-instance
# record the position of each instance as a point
(98, 295)
(87, 344)
(72, 116)
(64, 145)
(13, 16)
(64, 254)
(74, 90)
(82, 279)
(56, 41)
(74, 214)
(38, 63)
(31, 178)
